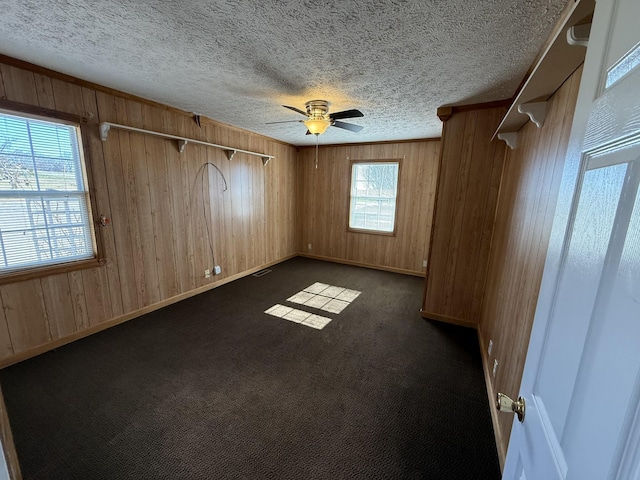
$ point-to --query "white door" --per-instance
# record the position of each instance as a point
(4, 473)
(581, 383)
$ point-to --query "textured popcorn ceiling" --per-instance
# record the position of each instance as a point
(237, 61)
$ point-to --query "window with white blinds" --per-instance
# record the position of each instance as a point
(374, 189)
(44, 199)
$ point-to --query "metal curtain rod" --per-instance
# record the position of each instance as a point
(182, 141)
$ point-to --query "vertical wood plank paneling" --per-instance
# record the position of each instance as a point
(479, 283)
(78, 300)
(159, 199)
(323, 205)
(238, 214)
(100, 192)
(156, 246)
(279, 192)
(116, 181)
(530, 184)
(226, 252)
(187, 210)
(6, 349)
(249, 209)
(444, 210)
(258, 199)
(44, 91)
(26, 314)
(459, 230)
(468, 186)
(286, 209)
(214, 246)
(130, 215)
(58, 305)
(96, 292)
(95, 281)
(2, 91)
(272, 200)
(177, 214)
(482, 216)
(220, 179)
(68, 98)
(198, 183)
(19, 85)
(144, 211)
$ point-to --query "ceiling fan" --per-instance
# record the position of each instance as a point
(319, 118)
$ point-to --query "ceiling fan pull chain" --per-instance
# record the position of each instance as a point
(317, 151)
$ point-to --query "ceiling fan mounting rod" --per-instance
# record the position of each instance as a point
(317, 108)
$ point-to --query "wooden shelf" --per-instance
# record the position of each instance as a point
(554, 66)
(182, 141)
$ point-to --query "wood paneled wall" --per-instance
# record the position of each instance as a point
(525, 210)
(323, 205)
(467, 193)
(161, 204)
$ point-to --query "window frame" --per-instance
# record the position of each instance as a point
(397, 198)
(85, 138)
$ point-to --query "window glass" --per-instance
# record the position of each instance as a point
(44, 200)
(374, 187)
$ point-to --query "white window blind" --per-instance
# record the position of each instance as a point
(374, 188)
(44, 199)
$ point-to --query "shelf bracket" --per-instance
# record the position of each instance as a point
(182, 144)
(265, 160)
(537, 112)
(104, 131)
(230, 154)
(511, 139)
(578, 35)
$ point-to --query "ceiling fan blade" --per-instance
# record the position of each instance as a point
(284, 121)
(295, 110)
(347, 126)
(346, 114)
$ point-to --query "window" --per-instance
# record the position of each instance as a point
(44, 200)
(374, 188)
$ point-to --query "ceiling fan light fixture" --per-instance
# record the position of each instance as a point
(317, 126)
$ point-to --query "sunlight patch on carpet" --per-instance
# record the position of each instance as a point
(298, 316)
(325, 297)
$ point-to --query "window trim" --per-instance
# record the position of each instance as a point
(85, 138)
(395, 223)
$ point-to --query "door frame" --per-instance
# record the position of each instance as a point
(10, 455)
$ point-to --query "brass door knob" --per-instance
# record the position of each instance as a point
(506, 404)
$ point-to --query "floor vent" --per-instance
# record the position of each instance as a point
(262, 272)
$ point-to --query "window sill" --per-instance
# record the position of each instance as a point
(371, 232)
(40, 272)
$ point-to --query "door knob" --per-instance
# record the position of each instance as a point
(506, 404)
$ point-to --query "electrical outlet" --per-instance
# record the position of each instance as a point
(207, 273)
(309, 246)
(495, 367)
(424, 264)
(490, 347)
(217, 270)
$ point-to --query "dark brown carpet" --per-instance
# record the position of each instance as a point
(213, 388)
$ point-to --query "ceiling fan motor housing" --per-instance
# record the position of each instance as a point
(317, 108)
